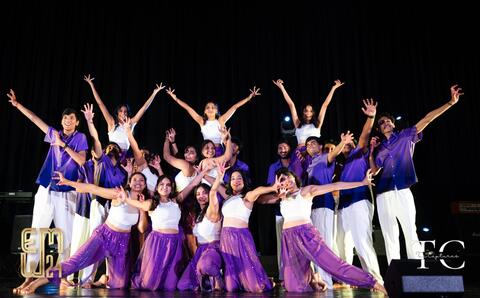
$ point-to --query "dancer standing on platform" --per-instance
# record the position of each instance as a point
(116, 130)
(211, 122)
(394, 198)
(355, 208)
(302, 243)
(203, 272)
(110, 240)
(55, 202)
(158, 265)
(308, 125)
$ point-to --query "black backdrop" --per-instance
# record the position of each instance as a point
(400, 54)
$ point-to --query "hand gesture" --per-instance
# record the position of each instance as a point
(337, 83)
(141, 197)
(88, 79)
(225, 133)
(282, 192)
(58, 141)
(374, 142)
(61, 179)
(368, 180)
(347, 137)
(13, 98)
(254, 92)
(127, 124)
(221, 168)
(121, 194)
(88, 112)
(128, 167)
(456, 93)
(278, 83)
(158, 88)
(170, 135)
(370, 107)
(171, 92)
(155, 162)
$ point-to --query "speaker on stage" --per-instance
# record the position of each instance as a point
(404, 279)
(19, 223)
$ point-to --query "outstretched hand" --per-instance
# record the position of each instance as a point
(158, 88)
(88, 112)
(347, 137)
(337, 83)
(368, 180)
(171, 92)
(170, 135)
(13, 98)
(370, 107)
(88, 79)
(278, 83)
(456, 92)
(254, 92)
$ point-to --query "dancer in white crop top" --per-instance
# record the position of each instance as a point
(116, 131)
(212, 121)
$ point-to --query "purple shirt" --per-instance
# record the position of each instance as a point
(354, 170)
(85, 174)
(395, 157)
(321, 172)
(59, 160)
(274, 167)
(108, 175)
(238, 165)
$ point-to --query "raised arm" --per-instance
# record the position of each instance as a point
(30, 115)
(110, 120)
(193, 114)
(455, 92)
(140, 203)
(228, 114)
(106, 193)
(171, 133)
(178, 163)
(213, 210)
(147, 104)
(272, 197)
(253, 195)
(311, 191)
(370, 110)
(374, 142)
(291, 105)
(137, 153)
(221, 188)
(326, 102)
(345, 138)
(155, 162)
(88, 113)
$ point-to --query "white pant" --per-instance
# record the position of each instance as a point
(343, 241)
(98, 215)
(59, 207)
(356, 221)
(322, 219)
(393, 205)
(278, 229)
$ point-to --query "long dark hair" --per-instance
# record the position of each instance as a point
(217, 115)
(198, 209)
(156, 195)
(314, 120)
(246, 184)
(115, 112)
(287, 172)
(204, 143)
(145, 192)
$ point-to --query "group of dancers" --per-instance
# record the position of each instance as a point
(191, 232)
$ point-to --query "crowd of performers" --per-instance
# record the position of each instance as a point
(191, 232)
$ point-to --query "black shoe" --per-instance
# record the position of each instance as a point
(206, 284)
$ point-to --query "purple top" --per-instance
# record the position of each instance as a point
(85, 174)
(109, 175)
(59, 160)
(271, 179)
(395, 157)
(354, 169)
(238, 165)
(321, 172)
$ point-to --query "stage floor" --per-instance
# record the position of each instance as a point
(7, 286)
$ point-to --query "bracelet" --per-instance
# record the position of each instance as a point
(449, 103)
(371, 117)
(171, 143)
(65, 146)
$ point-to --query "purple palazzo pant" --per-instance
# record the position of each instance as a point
(159, 262)
(243, 270)
(302, 245)
(104, 243)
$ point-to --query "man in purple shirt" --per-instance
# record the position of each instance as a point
(355, 208)
(283, 152)
(394, 198)
(53, 202)
(235, 163)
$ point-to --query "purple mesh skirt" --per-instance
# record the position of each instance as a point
(243, 270)
(302, 245)
(206, 261)
(157, 267)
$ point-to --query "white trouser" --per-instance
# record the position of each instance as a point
(393, 205)
(343, 240)
(278, 229)
(357, 224)
(59, 207)
(84, 228)
(322, 219)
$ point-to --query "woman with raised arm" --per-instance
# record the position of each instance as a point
(203, 272)
(110, 240)
(308, 125)
(302, 243)
(157, 267)
(116, 130)
(211, 122)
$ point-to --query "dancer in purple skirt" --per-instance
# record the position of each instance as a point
(158, 265)
(110, 240)
(211, 122)
(302, 243)
(243, 270)
(203, 272)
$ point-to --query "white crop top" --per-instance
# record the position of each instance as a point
(305, 131)
(123, 216)
(182, 181)
(119, 136)
(151, 178)
(165, 216)
(207, 231)
(212, 173)
(235, 208)
(211, 131)
(296, 208)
